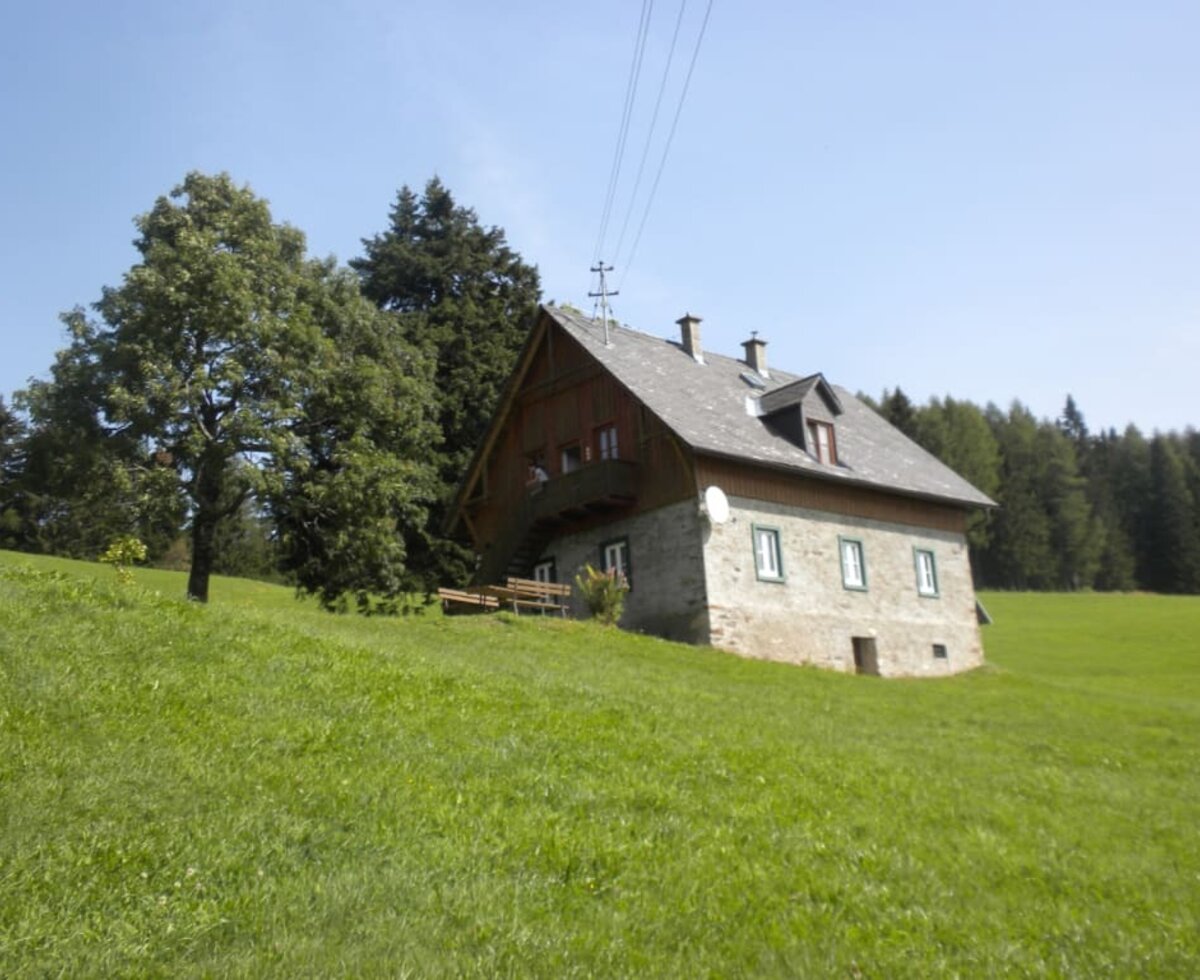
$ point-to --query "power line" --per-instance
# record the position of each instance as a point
(635, 70)
(662, 88)
(667, 148)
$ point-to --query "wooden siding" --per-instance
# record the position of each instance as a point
(760, 483)
(567, 398)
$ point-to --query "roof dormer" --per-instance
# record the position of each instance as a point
(783, 412)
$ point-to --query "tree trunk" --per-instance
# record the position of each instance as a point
(204, 527)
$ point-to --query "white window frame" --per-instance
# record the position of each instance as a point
(925, 563)
(853, 558)
(614, 556)
(768, 552)
(544, 571)
(822, 442)
(569, 464)
(606, 442)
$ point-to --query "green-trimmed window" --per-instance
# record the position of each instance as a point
(854, 564)
(768, 554)
(926, 568)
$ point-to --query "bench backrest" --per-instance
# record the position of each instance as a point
(468, 598)
(534, 587)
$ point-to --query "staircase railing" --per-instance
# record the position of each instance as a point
(566, 496)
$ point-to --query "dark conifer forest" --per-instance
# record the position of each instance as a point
(1111, 511)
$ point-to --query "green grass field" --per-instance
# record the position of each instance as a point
(258, 788)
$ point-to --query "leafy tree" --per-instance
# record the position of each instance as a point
(85, 483)
(12, 431)
(12, 443)
(467, 298)
(245, 544)
(356, 481)
(218, 357)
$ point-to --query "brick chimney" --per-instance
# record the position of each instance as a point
(689, 328)
(756, 354)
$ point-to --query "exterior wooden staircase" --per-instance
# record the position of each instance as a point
(550, 508)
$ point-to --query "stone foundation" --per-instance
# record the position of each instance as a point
(696, 582)
(667, 597)
(812, 618)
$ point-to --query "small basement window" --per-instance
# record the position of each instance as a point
(939, 651)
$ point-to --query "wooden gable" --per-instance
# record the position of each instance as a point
(560, 400)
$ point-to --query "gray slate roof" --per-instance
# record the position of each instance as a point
(706, 406)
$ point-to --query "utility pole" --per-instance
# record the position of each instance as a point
(601, 268)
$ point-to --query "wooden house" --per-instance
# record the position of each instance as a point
(761, 512)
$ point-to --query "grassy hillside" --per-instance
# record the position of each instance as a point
(257, 788)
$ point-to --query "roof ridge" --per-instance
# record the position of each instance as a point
(589, 322)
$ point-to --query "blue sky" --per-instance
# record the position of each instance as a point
(991, 200)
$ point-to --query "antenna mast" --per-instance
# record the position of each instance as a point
(601, 268)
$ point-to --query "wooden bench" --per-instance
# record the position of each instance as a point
(478, 601)
(529, 593)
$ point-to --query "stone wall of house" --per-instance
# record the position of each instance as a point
(667, 597)
(812, 618)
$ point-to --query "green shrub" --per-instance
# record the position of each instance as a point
(603, 593)
(123, 552)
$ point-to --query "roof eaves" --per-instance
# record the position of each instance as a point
(845, 476)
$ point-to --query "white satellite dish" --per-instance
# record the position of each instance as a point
(716, 504)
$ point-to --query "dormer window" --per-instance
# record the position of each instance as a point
(820, 442)
(787, 412)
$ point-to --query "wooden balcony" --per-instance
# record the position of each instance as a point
(595, 487)
(547, 508)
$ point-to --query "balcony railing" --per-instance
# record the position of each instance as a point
(592, 489)
(603, 485)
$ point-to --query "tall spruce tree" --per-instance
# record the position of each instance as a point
(959, 435)
(1115, 568)
(1174, 546)
(1131, 483)
(896, 407)
(1074, 537)
(1072, 424)
(469, 300)
(1020, 554)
